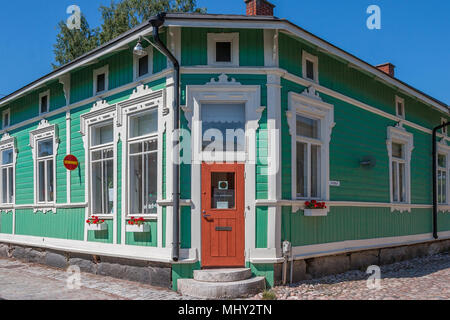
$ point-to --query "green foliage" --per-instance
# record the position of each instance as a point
(269, 295)
(71, 44)
(117, 18)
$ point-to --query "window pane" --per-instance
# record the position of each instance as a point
(444, 187)
(41, 180)
(401, 182)
(307, 127)
(11, 185)
(50, 182)
(223, 127)
(97, 188)
(151, 183)
(301, 169)
(101, 82)
(397, 150)
(315, 171)
(7, 156)
(144, 123)
(136, 184)
(102, 134)
(394, 181)
(5, 185)
(109, 186)
(143, 66)
(45, 148)
(44, 104)
(223, 51)
(222, 190)
(310, 70)
(399, 109)
(442, 161)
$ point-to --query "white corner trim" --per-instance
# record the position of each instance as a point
(315, 60)
(400, 135)
(233, 38)
(311, 105)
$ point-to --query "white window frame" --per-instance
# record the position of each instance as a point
(96, 73)
(233, 38)
(100, 113)
(399, 135)
(310, 105)
(136, 59)
(6, 112)
(7, 142)
(41, 95)
(128, 109)
(315, 60)
(402, 102)
(446, 171)
(44, 131)
(444, 149)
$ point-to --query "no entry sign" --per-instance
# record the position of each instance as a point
(71, 162)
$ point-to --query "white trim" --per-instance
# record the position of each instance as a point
(6, 112)
(444, 149)
(136, 59)
(223, 90)
(310, 104)
(41, 95)
(400, 101)
(95, 74)
(44, 131)
(315, 60)
(271, 58)
(398, 134)
(233, 38)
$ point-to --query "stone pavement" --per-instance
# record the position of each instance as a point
(426, 278)
(27, 281)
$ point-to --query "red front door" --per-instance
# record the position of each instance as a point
(223, 233)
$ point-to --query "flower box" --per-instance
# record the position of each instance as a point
(97, 227)
(143, 228)
(315, 212)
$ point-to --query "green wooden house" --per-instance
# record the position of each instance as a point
(272, 120)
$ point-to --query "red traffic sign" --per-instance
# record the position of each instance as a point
(71, 162)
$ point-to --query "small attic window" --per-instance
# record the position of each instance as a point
(310, 66)
(100, 80)
(400, 107)
(143, 65)
(6, 118)
(223, 51)
(44, 102)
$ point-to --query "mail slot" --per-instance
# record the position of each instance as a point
(224, 228)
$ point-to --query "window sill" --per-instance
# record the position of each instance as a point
(153, 216)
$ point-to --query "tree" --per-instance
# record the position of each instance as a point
(71, 44)
(117, 18)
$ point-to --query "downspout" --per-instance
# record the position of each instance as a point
(435, 204)
(156, 23)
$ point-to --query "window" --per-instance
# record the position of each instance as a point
(7, 176)
(6, 118)
(400, 147)
(311, 122)
(400, 107)
(398, 173)
(143, 163)
(444, 129)
(223, 49)
(102, 168)
(308, 157)
(223, 127)
(310, 67)
(442, 179)
(101, 80)
(143, 65)
(44, 102)
(45, 171)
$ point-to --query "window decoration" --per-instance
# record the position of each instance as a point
(8, 154)
(223, 49)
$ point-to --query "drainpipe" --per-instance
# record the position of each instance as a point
(435, 204)
(156, 23)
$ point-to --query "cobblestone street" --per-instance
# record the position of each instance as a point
(425, 278)
(25, 281)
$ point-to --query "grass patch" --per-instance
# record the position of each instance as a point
(269, 295)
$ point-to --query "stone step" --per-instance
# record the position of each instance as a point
(221, 290)
(222, 275)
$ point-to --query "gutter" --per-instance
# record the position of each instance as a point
(435, 201)
(156, 23)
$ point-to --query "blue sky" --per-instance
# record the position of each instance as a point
(414, 35)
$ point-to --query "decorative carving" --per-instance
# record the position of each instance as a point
(65, 81)
(311, 92)
(100, 104)
(223, 80)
